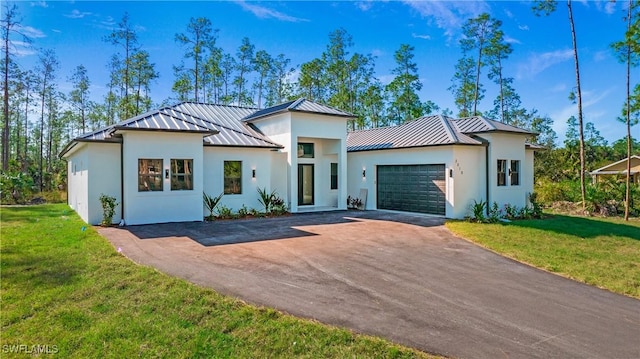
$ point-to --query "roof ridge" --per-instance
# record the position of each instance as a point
(295, 103)
(215, 104)
(448, 128)
(185, 120)
(229, 128)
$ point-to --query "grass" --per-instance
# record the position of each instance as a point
(604, 252)
(68, 289)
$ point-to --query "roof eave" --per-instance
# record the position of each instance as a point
(203, 132)
(417, 146)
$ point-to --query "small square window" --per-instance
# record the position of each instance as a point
(502, 172)
(334, 176)
(305, 150)
(149, 175)
(232, 177)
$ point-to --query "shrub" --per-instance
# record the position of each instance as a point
(211, 202)
(243, 211)
(494, 213)
(15, 187)
(224, 212)
(478, 211)
(266, 198)
(108, 209)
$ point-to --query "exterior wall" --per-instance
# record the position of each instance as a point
(252, 158)
(470, 181)
(93, 169)
(78, 180)
(508, 146)
(165, 205)
(528, 180)
(329, 136)
(369, 160)
(104, 177)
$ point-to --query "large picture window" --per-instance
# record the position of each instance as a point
(514, 173)
(305, 150)
(149, 175)
(502, 172)
(334, 176)
(181, 174)
(232, 177)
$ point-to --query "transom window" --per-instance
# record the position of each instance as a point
(514, 173)
(232, 177)
(502, 172)
(181, 174)
(334, 176)
(149, 175)
(305, 150)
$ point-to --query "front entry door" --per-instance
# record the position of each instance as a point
(305, 185)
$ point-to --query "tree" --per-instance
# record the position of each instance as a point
(142, 73)
(628, 52)
(10, 24)
(546, 7)
(479, 33)
(47, 66)
(497, 51)
(278, 87)
(463, 87)
(126, 37)
(403, 89)
(311, 80)
(263, 66)
(79, 96)
(243, 69)
(201, 37)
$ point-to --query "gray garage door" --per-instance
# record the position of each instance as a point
(412, 188)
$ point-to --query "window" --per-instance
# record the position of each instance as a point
(334, 176)
(149, 175)
(305, 150)
(181, 174)
(514, 173)
(502, 172)
(232, 177)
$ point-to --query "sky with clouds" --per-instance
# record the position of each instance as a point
(541, 63)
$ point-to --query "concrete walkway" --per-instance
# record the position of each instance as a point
(399, 276)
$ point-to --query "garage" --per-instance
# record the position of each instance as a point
(412, 188)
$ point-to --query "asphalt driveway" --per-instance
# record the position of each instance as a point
(400, 276)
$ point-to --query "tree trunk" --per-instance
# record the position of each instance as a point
(504, 119)
(476, 94)
(627, 199)
(40, 168)
(579, 96)
(26, 128)
(5, 131)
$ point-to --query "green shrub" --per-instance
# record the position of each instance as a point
(211, 203)
(108, 209)
(224, 212)
(478, 211)
(15, 187)
(266, 198)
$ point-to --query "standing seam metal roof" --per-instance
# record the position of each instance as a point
(300, 105)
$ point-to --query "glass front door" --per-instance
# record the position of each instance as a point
(305, 185)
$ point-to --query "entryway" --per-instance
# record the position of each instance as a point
(305, 185)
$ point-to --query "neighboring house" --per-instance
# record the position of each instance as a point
(617, 169)
(158, 164)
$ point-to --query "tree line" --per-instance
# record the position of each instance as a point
(252, 77)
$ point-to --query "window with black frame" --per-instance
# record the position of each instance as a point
(232, 177)
(514, 172)
(181, 174)
(334, 176)
(149, 175)
(502, 172)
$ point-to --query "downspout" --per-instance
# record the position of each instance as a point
(122, 181)
(486, 172)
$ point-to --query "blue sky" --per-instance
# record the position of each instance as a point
(541, 62)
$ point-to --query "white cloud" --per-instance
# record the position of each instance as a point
(508, 13)
(22, 48)
(448, 15)
(561, 87)
(600, 55)
(77, 14)
(364, 5)
(30, 32)
(589, 99)
(540, 62)
(510, 40)
(266, 13)
(419, 36)
(523, 27)
(39, 4)
(56, 31)
(377, 52)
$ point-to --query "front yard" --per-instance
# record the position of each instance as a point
(66, 290)
(603, 252)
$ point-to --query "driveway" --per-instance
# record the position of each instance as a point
(400, 276)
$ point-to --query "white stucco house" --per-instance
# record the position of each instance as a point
(158, 164)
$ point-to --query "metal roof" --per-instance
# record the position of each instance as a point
(478, 124)
(299, 105)
(425, 131)
(221, 124)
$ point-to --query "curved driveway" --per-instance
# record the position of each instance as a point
(400, 276)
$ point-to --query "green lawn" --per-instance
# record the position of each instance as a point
(68, 289)
(597, 251)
